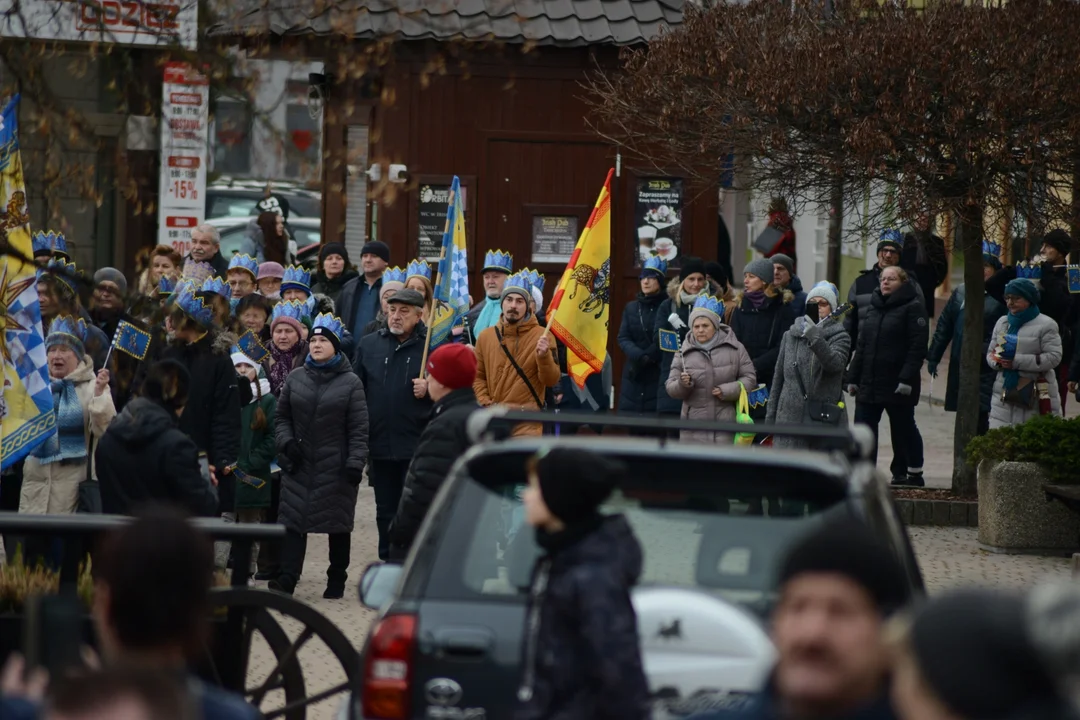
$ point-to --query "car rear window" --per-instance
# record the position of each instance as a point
(723, 533)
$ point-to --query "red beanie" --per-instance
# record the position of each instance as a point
(453, 365)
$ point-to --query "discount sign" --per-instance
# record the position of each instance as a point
(184, 130)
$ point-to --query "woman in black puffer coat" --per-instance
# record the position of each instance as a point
(641, 372)
(682, 292)
(322, 432)
(885, 373)
(763, 313)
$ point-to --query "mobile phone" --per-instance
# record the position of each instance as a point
(53, 633)
(812, 312)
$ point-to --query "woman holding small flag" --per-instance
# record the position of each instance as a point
(641, 371)
(83, 407)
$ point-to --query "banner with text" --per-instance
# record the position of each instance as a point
(185, 117)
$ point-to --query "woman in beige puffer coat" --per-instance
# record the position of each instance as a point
(707, 373)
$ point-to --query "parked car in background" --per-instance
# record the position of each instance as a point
(306, 236)
(713, 523)
(227, 197)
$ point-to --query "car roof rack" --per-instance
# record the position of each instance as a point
(497, 422)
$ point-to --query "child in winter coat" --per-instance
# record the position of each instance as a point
(257, 445)
(581, 656)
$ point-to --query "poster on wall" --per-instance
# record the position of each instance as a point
(553, 238)
(658, 207)
(185, 114)
(434, 202)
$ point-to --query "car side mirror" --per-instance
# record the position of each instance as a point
(378, 583)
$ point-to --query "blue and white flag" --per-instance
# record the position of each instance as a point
(452, 284)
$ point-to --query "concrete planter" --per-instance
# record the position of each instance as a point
(1015, 515)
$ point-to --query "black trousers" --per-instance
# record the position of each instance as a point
(907, 442)
(294, 549)
(387, 478)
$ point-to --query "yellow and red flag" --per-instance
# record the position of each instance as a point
(578, 314)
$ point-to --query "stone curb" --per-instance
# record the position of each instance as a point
(942, 513)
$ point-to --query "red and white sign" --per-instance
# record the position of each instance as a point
(185, 120)
(124, 22)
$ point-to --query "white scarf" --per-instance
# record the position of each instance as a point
(262, 384)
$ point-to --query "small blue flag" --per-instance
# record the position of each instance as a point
(758, 396)
(1008, 347)
(1074, 278)
(250, 344)
(132, 340)
(669, 340)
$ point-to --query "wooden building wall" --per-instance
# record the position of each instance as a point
(513, 126)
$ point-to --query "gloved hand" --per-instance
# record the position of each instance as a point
(294, 452)
(811, 332)
(354, 477)
(931, 367)
(903, 389)
(645, 361)
(852, 390)
(676, 322)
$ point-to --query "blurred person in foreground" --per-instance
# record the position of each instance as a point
(127, 694)
(836, 588)
(989, 654)
(151, 606)
(581, 656)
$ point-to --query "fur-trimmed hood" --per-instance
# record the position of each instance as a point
(323, 304)
(786, 295)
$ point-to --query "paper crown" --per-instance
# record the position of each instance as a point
(49, 243)
(1028, 271)
(892, 235)
(217, 286)
(518, 280)
(296, 278)
(331, 323)
(196, 272)
(293, 310)
(395, 275)
(245, 262)
(498, 260)
(536, 279)
(758, 397)
(418, 268)
(711, 303)
(67, 327)
(655, 264)
(64, 271)
(193, 306)
(991, 248)
(166, 285)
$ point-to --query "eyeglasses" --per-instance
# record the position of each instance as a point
(240, 284)
(107, 291)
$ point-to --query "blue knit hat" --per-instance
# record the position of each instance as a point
(1023, 288)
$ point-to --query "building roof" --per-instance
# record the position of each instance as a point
(560, 23)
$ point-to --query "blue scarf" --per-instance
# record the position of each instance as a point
(489, 315)
(1017, 321)
(320, 364)
(69, 441)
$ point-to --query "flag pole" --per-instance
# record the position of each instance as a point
(430, 321)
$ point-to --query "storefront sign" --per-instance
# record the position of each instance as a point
(434, 202)
(184, 128)
(658, 210)
(121, 22)
(554, 238)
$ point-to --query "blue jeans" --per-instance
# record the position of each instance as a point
(906, 441)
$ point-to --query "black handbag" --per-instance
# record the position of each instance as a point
(1023, 395)
(818, 411)
(89, 501)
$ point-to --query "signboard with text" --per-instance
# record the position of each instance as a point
(123, 22)
(185, 117)
(554, 238)
(434, 202)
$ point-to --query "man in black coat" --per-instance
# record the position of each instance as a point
(450, 373)
(924, 256)
(143, 457)
(206, 248)
(388, 362)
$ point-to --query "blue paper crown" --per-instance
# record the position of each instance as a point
(298, 311)
(499, 260)
(193, 305)
(655, 264)
(196, 272)
(245, 262)
(64, 271)
(418, 268)
(1025, 271)
(536, 279)
(521, 280)
(49, 243)
(711, 303)
(331, 323)
(394, 274)
(991, 248)
(66, 326)
(758, 397)
(217, 286)
(892, 235)
(166, 285)
(296, 278)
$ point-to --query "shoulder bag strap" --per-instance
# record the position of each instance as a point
(520, 372)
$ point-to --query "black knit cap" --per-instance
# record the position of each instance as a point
(575, 482)
(376, 247)
(325, 332)
(846, 546)
(334, 248)
(973, 649)
(716, 271)
(691, 265)
(1059, 240)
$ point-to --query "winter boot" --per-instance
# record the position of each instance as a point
(281, 585)
(334, 590)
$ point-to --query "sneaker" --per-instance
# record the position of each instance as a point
(915, 480)
(277, 585)
(334, 591)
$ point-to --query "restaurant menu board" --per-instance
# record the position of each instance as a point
(554, 238)
(658, 210)
(434, 202)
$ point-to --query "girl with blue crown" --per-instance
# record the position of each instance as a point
(418, 278)
(321, 431)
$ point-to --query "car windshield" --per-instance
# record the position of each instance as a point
(721, 534)
(237, 206)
